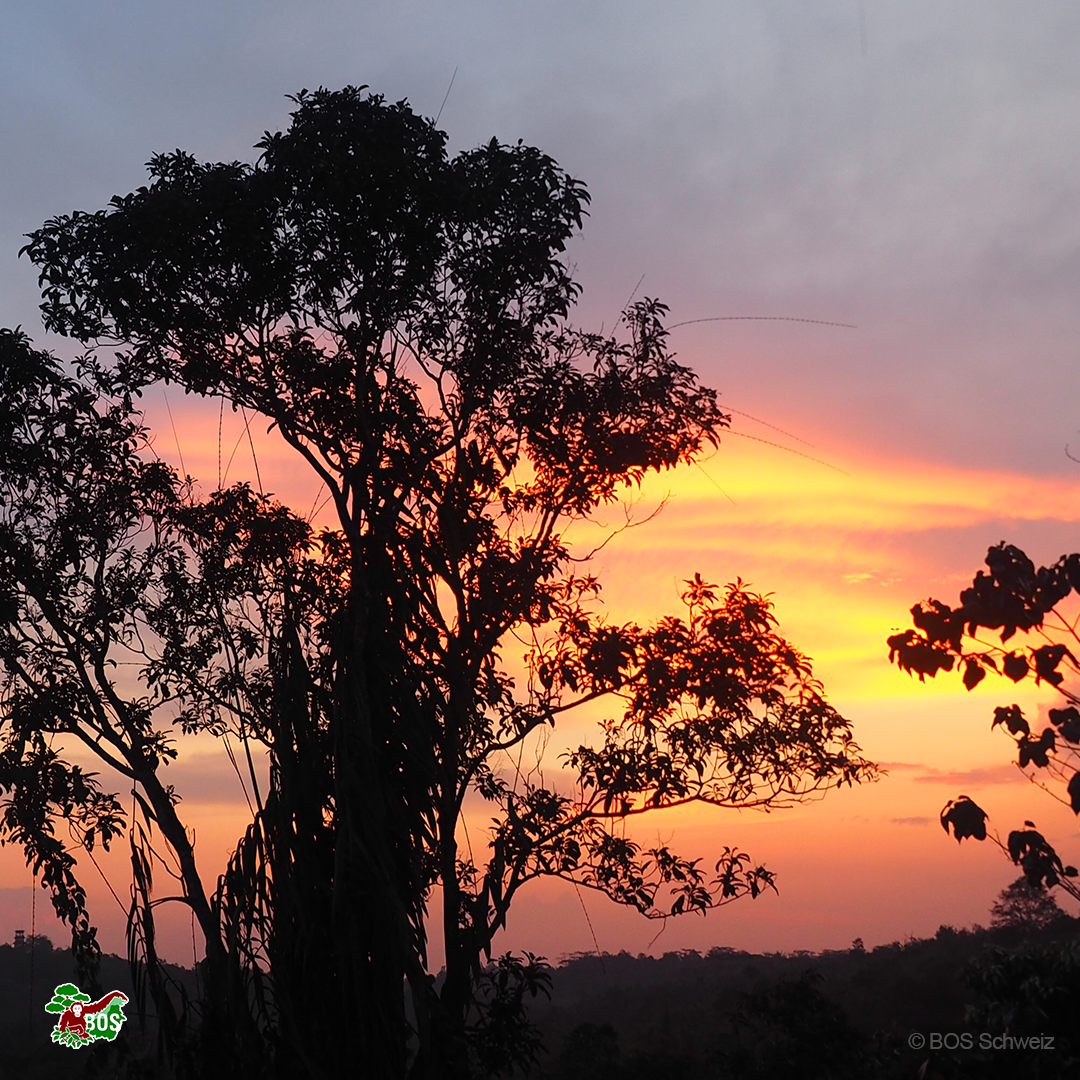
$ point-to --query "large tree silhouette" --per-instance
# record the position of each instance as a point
(401, 317)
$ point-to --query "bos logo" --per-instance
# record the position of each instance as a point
(83, 1021)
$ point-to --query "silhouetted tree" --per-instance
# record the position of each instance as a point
(88, 541)
(1013, 596)
(400, 317)
(1024, 906)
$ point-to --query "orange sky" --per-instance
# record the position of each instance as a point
(845, 553)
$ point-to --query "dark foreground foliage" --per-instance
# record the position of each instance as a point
(979, 637)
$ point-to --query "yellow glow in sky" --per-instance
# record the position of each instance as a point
(844, 555)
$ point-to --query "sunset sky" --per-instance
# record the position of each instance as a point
(909, 168)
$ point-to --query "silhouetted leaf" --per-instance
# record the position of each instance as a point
(1047, 660)
(965, 818)
(1036, 751)
(973, 673)
(1067, 722)
(914, 653)
(1073, 790)
(1015, 666)
(1013, 719)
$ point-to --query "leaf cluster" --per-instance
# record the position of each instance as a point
(1011, 596)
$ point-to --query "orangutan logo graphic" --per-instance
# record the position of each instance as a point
(82, 1020)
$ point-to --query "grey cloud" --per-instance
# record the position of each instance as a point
(983, 777)
(745, 155)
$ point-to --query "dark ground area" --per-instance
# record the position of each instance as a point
(846, 1013)
(834, 1015)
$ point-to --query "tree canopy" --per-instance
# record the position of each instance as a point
(1025, 907)
(400, 316)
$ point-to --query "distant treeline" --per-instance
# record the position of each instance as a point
(836, 1014)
